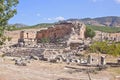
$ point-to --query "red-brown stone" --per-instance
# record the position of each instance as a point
(59, 31)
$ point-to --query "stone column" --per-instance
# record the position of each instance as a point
(68, 61)
(118, 61)
(21, 41)
(89, 59)
(22, 35)
(103, 60)
(27, 35)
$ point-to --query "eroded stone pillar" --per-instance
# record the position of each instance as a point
(103, 62)
(21, 42)
(22, 35)
(118, 61)
(89, 59)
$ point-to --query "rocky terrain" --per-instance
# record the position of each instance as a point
(30, 63)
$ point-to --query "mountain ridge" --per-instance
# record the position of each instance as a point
(110, 21)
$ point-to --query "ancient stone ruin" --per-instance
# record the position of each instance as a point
(102, 36)
(62, 31)
(59, 31)
(59, 43)
(26, 38)
(69, 33)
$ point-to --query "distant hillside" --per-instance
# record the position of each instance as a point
(42, 25)
(111, 21)
(19, 25)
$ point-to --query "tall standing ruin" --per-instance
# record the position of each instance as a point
(73, 31)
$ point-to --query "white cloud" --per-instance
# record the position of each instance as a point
(118, 1)
(49, 19)
(38, 14)
(59, 18)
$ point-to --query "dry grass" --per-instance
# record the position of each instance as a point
(115, 70)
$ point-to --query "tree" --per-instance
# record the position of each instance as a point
(11, 28)
(7, 11)
(89, 32)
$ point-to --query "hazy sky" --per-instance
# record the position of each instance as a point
(32, 12)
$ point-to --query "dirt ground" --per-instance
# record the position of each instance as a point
(40, 70)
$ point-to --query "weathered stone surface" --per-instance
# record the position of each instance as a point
(89, 59)
(118, 61)
(79, 29)
(59, 31)
(102, 36)
(20, 63)
(103, 62)
(18, 52)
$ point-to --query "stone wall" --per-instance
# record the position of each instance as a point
(107, 36)
(59, 32)
(74, 30)
(56, 32)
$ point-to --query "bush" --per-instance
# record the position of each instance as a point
(105, 48)
(89, 32)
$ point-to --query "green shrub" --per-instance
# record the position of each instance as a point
(105, 48)
(89, 32)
